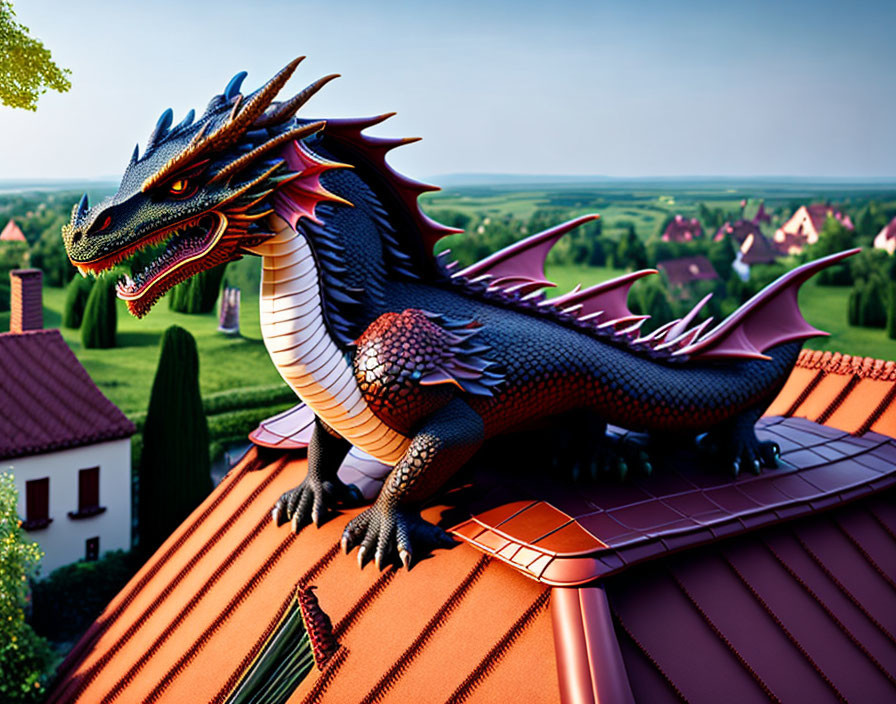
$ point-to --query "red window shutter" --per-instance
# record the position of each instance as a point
(37, 499)
(88, 488)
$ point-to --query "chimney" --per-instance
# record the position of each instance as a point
(26, 300)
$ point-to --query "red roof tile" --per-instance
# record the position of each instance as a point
(47, 399)
(767, 593)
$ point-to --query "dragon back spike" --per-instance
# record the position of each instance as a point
(234, 85)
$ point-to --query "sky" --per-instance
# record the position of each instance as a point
(623, 89)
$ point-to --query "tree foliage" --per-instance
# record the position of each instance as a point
(100, 322)
(174, 465)
(25, 657)
(27, 69)
(199, 293)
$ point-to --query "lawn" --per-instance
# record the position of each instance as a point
(125, 373)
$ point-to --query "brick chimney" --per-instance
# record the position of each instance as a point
(26, 300)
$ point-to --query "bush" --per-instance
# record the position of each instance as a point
(100, 321)
(73, 596)
(174, 465)
(241, 423)
(76, 294)
(25, 657)
(251, 397)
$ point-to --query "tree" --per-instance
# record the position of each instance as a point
(25, 658)
(27, 69)
(174, 465)
(199, 293)
(630, 251)
(76, 294)
(834, 237)
(100, 315)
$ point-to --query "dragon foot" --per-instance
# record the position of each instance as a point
(740, 449)
(312, 501)
(385, 532)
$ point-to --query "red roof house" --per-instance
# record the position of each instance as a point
(685, 270)
(682, 229)
(886, 238)
(689, 585)
(67, 445)
(12, 233)
(804, 226)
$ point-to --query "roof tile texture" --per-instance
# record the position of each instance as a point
(47, 399)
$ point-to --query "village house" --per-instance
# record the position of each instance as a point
(12, 233)
(681, 229)
(886, 238)
(805, 225)
(65, 443)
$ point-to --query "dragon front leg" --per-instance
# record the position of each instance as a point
(321, 489)
(392, 527)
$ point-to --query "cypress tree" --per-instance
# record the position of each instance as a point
(174, 466)
(891, 312)
(76, 294)
(873, 303)
(100, 315)
(199, 293)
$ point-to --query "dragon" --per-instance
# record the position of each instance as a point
(398, 351)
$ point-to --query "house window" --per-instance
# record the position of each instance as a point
(88, 488)
(88, 494)
(37, 504)
(92, 549)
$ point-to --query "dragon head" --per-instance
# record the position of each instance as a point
(201, 192)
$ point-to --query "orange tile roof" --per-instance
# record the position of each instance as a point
(12, 233)
(475, 623)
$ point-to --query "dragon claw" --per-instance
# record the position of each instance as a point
(388, 535)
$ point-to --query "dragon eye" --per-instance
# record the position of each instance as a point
(179, 187)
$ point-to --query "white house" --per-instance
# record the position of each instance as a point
(66, 444)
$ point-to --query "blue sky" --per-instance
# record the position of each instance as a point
(627, 89)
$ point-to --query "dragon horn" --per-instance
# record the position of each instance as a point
(233, 87)
(287, 109)
(83, 206)
(252, 107)
(244, 113)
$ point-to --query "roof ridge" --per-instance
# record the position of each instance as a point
(839, 363)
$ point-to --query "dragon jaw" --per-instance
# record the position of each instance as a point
(199, 196)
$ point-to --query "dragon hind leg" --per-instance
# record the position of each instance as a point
(392, 526)
(736, 444)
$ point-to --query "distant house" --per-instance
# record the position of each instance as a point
(66, 444)
(686, 270)
(761, 215)
(12, 233)
(886, 238)
(738, 231)
(681, 229)
(804, 226)
(752, 247)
